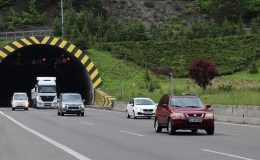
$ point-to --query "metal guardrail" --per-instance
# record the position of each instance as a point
(22, 34)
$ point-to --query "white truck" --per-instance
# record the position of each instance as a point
(44, 94)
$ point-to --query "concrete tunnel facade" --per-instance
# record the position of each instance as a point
(21, 61)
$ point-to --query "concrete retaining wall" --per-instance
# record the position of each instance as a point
(237, 114)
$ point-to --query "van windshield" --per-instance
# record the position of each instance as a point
(72, 98)
(47, 89)
(20, 96)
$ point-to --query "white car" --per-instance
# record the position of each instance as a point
(20, 101)
(141, 107)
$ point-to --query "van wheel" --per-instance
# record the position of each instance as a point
(157, 128)
(13, 109)
(62, 114)
(82, 114)
(170, 128)
(58, 113)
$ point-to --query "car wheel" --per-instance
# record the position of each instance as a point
(128, 116)
(194, 131)
(62, 114)
(134, 115)
(13, 109)
(157, 127)
(58, 113)
(210, 131)
(170, 128)
(82, 114)
(149, 117)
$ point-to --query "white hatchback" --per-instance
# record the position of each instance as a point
(20, 101)
(141, 107)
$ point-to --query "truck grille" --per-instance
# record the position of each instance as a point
(47, 98)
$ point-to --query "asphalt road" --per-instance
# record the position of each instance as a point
(106, 135)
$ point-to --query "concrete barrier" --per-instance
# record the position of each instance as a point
(237, 114)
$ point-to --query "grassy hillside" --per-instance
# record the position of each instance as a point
(230, 53)
(240, 88)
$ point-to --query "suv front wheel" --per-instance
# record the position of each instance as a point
(170, 128)
(157, 128)
(210, 131)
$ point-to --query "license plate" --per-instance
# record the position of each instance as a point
(195, 120)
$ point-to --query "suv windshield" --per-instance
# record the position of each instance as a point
(144, 102)
(72, 98)
(193, 102)
(47, 89)
(20, 96)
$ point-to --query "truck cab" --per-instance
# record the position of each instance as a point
(44, 94)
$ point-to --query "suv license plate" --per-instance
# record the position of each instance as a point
(195, 120)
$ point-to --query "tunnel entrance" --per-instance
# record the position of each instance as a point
(19, 70)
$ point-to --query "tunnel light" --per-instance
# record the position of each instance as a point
(43, 59)
(68, 58)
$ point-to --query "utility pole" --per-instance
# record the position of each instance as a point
(62, 27)
(171, 83)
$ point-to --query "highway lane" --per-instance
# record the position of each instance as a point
(104, 135)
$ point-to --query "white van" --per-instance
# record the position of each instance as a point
(20, 101)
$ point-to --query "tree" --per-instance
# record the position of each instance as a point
(1, 24)
(57, 27)
(253, 26)
(202, 71)
(253, 69)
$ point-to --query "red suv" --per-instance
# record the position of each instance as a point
(183, 112)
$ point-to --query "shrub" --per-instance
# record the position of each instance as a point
(149, 3)
(1, 24)
(165, 70)
(225, 87)
(202, 71)
(253, 69)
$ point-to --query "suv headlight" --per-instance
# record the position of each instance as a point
(177, 116)
(209, 116)
(63, 106)
(39, 98)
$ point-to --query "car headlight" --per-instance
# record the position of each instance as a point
(13, 103)
(82, 106)
(26, 104)
(209, 116)
(63, 106)
(39, 98)
(177, 116)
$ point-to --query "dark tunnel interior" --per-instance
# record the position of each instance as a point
(18, 72)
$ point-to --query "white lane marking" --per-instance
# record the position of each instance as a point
(132, 133)
(226, 154)
(243, 125)
(47, 139)
(91, 124)
(230, 134)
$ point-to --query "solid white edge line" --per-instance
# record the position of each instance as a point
(226, 154)
(91, 124)
(132, 133)
(234, 124)
(230, 134)
(103, 110)
(47, 139)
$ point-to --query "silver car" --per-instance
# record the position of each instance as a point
(70, 103)
(20, 101)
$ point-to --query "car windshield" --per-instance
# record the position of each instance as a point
(144, 102)
(193, 102)
(72, 98)
(20, 96)
(47, 89)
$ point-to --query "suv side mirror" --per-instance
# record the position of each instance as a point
(208, 106)
(164, 106)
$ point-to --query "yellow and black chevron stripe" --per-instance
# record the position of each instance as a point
(108, 100)
(57, 42)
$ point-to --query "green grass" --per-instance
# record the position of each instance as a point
(243, 88)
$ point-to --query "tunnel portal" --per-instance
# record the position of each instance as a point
(23, 60)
